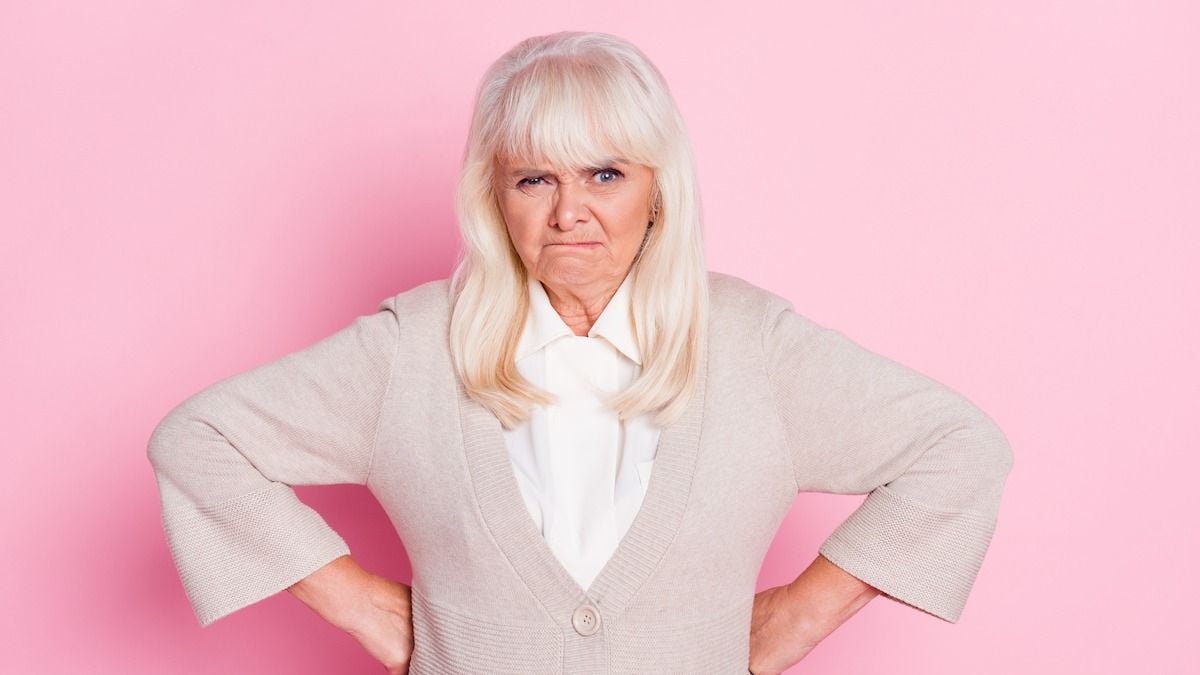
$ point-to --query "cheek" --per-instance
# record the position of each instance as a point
(522, 224)
(513, 212)
(630, 219)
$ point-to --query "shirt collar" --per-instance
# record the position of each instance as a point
(544, 324)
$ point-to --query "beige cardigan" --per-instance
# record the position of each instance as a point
(784, 406)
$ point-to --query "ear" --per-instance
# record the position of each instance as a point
(655, 204)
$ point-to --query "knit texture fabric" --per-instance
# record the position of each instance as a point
(783, 406)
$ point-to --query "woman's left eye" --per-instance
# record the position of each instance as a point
(612, 172)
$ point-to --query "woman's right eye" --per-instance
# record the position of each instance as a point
(530, 181)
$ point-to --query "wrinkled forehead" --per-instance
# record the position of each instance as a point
(522, 165)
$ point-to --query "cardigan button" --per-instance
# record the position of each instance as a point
(586, 620)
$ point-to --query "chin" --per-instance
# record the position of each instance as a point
(572, 277)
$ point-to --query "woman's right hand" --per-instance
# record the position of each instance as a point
(386, 632)
(375, 610)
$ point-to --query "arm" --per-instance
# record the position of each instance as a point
(225, 460)
(789, 621)
(374, 610)
(932, 464)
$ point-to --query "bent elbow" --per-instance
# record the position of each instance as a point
(991, 460)
(184, 436)
(167, 439)
(964, 471)
(995, 446)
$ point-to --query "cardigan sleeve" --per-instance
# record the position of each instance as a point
(225, 461)
(932, 464)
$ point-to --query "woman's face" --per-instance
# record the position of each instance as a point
(576, 233)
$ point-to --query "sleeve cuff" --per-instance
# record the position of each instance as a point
(238, 552)
(923, 557)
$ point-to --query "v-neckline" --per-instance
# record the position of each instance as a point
(639, 552)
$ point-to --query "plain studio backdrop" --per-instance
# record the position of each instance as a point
(1002, 195)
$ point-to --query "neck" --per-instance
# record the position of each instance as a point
(579, 308)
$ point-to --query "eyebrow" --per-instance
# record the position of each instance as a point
(604, 162)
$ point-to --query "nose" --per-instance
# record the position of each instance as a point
(570, 205)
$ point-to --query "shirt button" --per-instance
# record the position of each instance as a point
(586, 620)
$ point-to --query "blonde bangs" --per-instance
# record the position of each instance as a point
(570, 113)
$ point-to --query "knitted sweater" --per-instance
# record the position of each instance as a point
(784, 405)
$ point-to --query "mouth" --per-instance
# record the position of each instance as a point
(581, 244)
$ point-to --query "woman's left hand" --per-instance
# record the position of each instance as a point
(777, 636)
(789, 621)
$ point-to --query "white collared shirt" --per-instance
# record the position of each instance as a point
(582, 473)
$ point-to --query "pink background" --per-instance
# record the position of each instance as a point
(1002, 195)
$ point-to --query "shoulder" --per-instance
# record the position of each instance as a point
(428, 302)
(733, 299)
(748, 314)
(424, 308)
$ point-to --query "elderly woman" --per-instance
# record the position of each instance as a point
(584, 438)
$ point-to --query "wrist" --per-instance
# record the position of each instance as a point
(809, 621)
(390, 597)
(823, 597)
(339, 592)
(383, 608)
